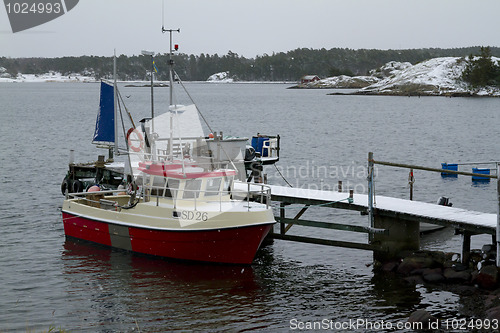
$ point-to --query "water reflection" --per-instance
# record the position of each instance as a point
(132, 290)
(393, 293)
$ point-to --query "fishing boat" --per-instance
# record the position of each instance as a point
(183, 196)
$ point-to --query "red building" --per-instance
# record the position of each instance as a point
(309, 78)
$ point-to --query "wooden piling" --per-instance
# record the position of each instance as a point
(282, 216)
(411, 180)
(370, 193)
(402, 236)
(466, 247)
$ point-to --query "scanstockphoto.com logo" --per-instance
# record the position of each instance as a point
(31, 13)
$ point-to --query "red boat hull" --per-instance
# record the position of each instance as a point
(231, 245)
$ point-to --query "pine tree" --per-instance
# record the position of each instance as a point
(482, 71)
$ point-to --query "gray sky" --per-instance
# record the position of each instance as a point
(250, 28)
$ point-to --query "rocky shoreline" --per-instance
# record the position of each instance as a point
(411, 94)
(477, 283)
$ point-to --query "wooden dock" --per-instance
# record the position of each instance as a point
(393, 224)
(472, 221)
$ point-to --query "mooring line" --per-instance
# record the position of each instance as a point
(348, 199)
(286, 181)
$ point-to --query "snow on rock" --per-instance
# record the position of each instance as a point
(389, 69)
(434, 77)
(222, 77)
(342, 81)
(4, 74)
(48, 77)
(438, 76)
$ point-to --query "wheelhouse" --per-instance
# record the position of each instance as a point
(189, 183)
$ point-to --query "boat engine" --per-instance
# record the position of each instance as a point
(444, 201)
(249, 153)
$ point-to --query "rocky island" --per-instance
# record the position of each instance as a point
(435, 77)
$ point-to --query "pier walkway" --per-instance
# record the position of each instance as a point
(462, 219)
(393, 225)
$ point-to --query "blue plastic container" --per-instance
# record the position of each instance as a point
(258, 142)
(255, 141)
(482, 171)
(449, 166)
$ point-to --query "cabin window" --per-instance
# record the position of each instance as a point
(227, 185)
(172, 188)
(213, 186)
(192, 189)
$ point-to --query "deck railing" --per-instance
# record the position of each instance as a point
(253, 192)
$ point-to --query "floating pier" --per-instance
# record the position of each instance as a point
(393, 224)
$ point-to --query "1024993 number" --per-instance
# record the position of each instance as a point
(193, 215)
(33, 8)
(471, 324)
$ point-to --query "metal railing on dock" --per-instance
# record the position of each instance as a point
(468, 228)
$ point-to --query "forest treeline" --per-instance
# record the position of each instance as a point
(289, 66)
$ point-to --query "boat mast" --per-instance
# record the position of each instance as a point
(171, 76)
(151, 54)
(151, 139)
(171, 60)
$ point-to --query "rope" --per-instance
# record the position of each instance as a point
(128, 149)
(126, 109)
(286, 181)
(203, 117)
(349, 200)
(192, 101)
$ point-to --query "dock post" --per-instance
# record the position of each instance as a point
(403, 235)
(466, 247)
(370, 193)
(282, 215)
(498, 215)
(411, 180)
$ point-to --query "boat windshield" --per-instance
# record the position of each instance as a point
(213, 186)
(192, 189)
(172, 186)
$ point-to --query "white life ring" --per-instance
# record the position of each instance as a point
(138, 138)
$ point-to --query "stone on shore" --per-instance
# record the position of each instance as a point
(422, 316)
(487, 277)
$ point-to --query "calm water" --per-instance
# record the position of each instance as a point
(49, 281)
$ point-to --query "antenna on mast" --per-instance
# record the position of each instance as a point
(162, 15)
(171, 75)
(170, 60)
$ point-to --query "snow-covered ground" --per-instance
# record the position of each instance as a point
(438, 76)
(48, 77)
(389, 69)
(222, 77)
(343, 81)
